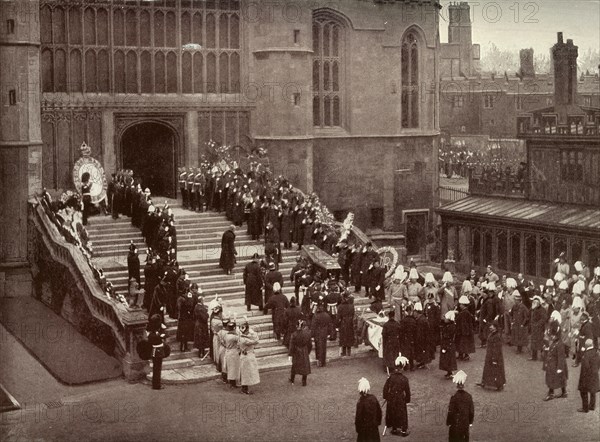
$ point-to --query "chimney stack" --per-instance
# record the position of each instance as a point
(527, 70)
(564, 56)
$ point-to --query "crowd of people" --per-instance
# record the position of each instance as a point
(456, 160)
(67, 214)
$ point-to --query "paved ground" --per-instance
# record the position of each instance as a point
(278, 411)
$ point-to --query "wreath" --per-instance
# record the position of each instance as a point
(388, 257)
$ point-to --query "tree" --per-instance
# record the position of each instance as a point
(498, 60)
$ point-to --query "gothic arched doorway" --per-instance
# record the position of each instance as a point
(150, 150)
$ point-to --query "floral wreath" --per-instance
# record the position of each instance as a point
(384, 258)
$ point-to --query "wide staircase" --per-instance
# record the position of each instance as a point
(198, 251)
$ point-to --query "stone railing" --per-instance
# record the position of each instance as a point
(64, 280)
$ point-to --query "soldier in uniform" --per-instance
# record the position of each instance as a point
(86, 196)
(368, 414)
(396, 392)
(332, 299)
(391, 334)
(183, 187)
(461, 411)
(345, 318)
(277, 303)
(249, 374)
(271, 278)
(447, 347)
(200, 188)
(320, 329)
(464, 338)
(156, 336)
(300, 348)
(190, 189)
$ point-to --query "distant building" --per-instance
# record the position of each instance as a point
(557, 209)
(476, 103)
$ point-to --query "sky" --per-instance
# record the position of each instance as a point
(518, 24)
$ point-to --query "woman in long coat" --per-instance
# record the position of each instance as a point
(300, 348)
(248, 366)
(396, 392)
(227, 259)
(201, 338)
(447, 348)
(345, 317)
(493, 370)
(555, 366)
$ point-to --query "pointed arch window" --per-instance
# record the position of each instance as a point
(328, 70)
(410, 81)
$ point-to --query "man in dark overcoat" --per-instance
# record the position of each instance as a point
(254, 284)
(519, 321)
(292, 315)
(390, 335)
(273, 276)
(588, 377)
(320, 329)
(422, 337)
(465, 339)
(408, 332)
(300, 348)
(345, 317)
(555, 365)
(366, 265)
(538, 327)
(461, 411)
(368, 414)
(355, 266)
(447, 347)
(493, 370)
(133, 263)
(396, 392)
(228, 252)
(278, 303)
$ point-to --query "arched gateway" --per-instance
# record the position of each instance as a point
(150, 150)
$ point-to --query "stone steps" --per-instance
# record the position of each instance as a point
(111, 239)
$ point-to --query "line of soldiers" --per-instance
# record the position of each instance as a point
(271, 207)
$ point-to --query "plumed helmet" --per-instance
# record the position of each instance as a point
(559, 276)
(450, 315)
(579, 266)
(463, 300)
(467, 287)
(429, 278)
(460, 378)
(564, 285)
(447, 277)
(401, 361)
(413, 274)
(511, 283)
(363, 385)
